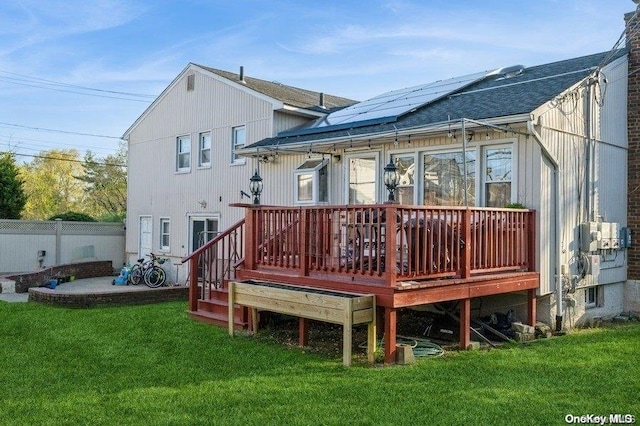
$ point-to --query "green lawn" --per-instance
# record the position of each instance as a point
(152, 365)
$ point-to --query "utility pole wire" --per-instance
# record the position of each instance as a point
(68, 132)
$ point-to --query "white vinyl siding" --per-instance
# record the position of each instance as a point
(183, 154)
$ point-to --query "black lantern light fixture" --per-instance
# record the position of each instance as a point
(391, 179)
(255, 186)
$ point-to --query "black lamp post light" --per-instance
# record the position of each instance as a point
(255, 186)
(391, 179)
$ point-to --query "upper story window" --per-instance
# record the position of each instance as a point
(238, 140)
(204, 150)
(183, 153)
(165, 232)
(191, 82)
(497, 176)
(312, 182)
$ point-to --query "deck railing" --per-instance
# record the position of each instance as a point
(211, 265)
(424, 242)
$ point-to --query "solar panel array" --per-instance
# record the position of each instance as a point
(388, 106)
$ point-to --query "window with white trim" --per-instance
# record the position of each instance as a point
(497, 176)
(406, 166)
(204, 150)
(444, 182)
(363, 171)
(165, 233)
(183, 153)
(238, 140)
(312, 182)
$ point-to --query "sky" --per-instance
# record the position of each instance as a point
(75, 74)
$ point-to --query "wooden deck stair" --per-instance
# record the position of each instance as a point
(215, 310)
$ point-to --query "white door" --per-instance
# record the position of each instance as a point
(146, 241)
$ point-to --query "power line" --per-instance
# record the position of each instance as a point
(68, 132)
(71, 91)
(26, 143)
(28, 78)
(70, 160)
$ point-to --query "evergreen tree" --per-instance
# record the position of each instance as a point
(12, 196)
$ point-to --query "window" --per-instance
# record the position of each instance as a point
(191, 82)
(445, 183)
(497, 168)
(593, 297)
(312, 182)
(183, 153)
(204, 150)
(165, 228)
(362, 179)
(239, 135)
(406, 184)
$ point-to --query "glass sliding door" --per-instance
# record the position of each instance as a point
(363, 171)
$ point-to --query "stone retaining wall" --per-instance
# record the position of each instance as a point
(80, 270)
(105, 299)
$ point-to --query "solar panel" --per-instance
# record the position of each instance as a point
(387, 107)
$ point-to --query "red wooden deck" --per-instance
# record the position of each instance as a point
(405, 255)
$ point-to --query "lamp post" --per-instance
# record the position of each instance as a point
(391, 179)
(255, 185)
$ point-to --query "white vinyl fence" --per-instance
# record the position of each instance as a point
(31, 245)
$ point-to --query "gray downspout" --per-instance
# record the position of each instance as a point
(559, 214)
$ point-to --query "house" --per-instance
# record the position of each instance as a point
(550, 138)
(415, 197)
(184, 170)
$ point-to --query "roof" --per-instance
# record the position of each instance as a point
(294, 96)
(493, 96)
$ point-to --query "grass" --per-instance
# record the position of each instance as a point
(153, 365)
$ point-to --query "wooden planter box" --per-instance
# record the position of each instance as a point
(334, 307)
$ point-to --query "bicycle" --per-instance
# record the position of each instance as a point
(148, 271)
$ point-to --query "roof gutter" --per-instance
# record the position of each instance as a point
(557, 171)
(366, 138)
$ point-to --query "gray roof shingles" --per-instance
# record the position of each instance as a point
(294, 96)
(489, 98)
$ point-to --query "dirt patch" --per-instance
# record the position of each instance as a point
(326, 338)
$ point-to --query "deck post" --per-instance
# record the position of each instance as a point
(532, 241)
(390, 325)
(465, 323)
(390, 245)
(466, 252)
(193, 284)
(251, 237)
(303, 332)
(304, 242)
(231, 302)
(532, 306)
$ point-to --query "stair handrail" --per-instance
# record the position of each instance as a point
(233, 228)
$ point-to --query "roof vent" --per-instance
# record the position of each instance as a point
(241, 76)
(321, 101)
(507, 72)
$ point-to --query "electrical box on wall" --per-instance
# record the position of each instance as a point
(589, 236)
(625, 237)
(596, 236)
